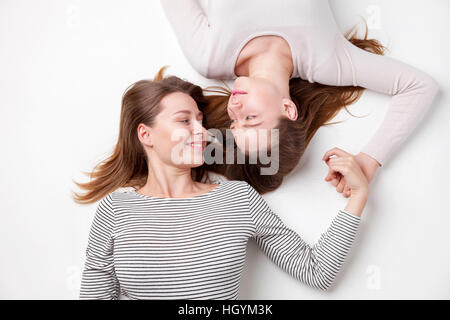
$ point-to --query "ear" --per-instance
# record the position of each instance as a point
(290, 109)
(144, 135)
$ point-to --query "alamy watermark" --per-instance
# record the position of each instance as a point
(260, 145)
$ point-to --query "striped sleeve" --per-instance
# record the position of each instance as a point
(316, 266)
(99, 279)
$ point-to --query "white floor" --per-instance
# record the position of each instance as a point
(64, 66)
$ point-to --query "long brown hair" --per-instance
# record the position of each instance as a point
(316, 104)
(127, 166)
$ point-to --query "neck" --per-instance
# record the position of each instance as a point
(169, 182)
(274, 67)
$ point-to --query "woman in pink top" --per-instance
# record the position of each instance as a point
(293, 70)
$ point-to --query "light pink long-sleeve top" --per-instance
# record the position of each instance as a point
(212, 41)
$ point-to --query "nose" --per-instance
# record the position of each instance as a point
(234, 101)
(199, 129)
(198, 126)
(235, 106)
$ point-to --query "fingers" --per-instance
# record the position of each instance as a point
(340, 187)
(347, 192)
(330, 176)
(336, 179)
(333, 176)
(336, 152)
(353, 178)
(340, 167)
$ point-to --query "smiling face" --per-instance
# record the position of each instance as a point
(255, 107)
(176, 137)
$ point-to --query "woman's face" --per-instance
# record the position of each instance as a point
(254, 108)
(177, 137)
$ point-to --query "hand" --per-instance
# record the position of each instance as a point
(368, 166)
(345, 171)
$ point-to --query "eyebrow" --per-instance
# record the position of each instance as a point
(189, 112)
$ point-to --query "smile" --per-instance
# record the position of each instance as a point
(197, 145)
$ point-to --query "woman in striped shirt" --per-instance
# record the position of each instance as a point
(170, 235)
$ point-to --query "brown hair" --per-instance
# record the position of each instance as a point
(127, 166)
(316, 104)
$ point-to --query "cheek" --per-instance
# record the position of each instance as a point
(261, 95)
(269, 103)
(165, 138)
(176, 139)
(177, 130)
(258, 103)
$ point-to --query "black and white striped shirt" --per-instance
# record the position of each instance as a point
(148, 247)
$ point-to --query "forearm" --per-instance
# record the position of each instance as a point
(356, 204)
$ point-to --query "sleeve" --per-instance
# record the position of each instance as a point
(191, 27)
(316, 266)
(412, 92)
(98, 278)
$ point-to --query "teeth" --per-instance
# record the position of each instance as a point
(196, 144)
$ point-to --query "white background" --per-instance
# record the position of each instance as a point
(64, 66)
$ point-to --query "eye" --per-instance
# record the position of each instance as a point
(185, 120)
(250, 117)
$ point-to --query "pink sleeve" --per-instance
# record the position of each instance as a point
(412, 91)
(190, 25)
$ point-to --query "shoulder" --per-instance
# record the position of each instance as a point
(235, 183)
(235, 189)
(113, 202)
(243, 184)
(114, 197)
(121, 195)
(241, 187)
(106, 204)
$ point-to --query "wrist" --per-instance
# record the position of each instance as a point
(373, 162)
(356, 205)
(360, 195)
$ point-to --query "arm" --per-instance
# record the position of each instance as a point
(412, 92)
(316, 266)
(190, 25)
(99, 279)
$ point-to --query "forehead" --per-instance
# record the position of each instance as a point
(176, 101)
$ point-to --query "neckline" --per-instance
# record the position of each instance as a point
(220, 183)
(266, 33)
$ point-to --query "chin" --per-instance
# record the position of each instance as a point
(194, 161)
(187, 165)
(195, 165)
